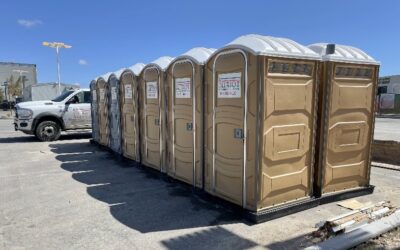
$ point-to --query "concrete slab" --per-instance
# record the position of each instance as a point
(70, 194)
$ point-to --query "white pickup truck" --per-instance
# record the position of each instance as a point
(46, 119)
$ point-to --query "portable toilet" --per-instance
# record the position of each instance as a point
(259, 128)
(130, 111)
(103, 109)
(113, 102)
(94, 111)
(349, 80)
(152, 111)
(185, 77)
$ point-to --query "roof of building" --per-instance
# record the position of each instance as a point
(272, 46)
(343, 53)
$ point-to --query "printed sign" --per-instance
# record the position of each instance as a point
(387, 101)
(151, 90)
(113, 93)
(182, 88)
(128, 91)
(229, 85)
(94, 95)
(102, 94)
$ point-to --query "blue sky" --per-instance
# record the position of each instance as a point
(109, 35)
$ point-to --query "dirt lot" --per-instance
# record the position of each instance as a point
(70, 194)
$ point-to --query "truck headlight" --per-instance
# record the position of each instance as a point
(24, 113)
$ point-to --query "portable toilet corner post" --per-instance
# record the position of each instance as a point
(152, 112)
(259, 130)
(129, 106)
(349, 80)
(113, 102)
(185, 116)
(103, 109)
(94, 110)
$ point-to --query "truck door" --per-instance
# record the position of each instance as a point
(77, 111)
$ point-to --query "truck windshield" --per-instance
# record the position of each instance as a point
(63, 96)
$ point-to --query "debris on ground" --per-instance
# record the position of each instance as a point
(361, 214)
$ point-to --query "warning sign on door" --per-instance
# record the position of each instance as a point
(94, 95)
(113, 93)
(102, 94)
(229, 85)
(151, 90)
(182, 88)
(128, 91)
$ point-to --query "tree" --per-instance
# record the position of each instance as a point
(1, 95)
(14, 86)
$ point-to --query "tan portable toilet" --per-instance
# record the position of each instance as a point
(130, 110)
(103, 109)
(260, 115)
(349, 79)
(185, 116)
(94, 111)
(152, 113)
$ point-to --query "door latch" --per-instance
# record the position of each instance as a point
(189, 126)
(157, 121)
(238, 133)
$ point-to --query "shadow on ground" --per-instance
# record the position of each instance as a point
(30, 138)
(138, 197)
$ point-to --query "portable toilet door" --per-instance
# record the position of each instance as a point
(185, 116)
(260, 113)
(103, 109)
(94, 110)
(130, 111)
(349, 83)
(153, 117)
(113, 113)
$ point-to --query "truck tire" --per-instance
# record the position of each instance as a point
(48, 131)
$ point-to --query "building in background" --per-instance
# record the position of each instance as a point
(389, 84)
(388, 98)
(22, 74)
(45, 91)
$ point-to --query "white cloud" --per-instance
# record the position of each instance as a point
(82, 62)
(29, 23)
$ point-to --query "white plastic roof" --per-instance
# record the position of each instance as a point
(199, 54)
(119, 72)
(106, 76)
(162, 62)
(343, 53)
(272, 46)
(137, 68)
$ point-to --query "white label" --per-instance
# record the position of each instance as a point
(94, 95)
(182, 88)
(113, 93)
(151, 90)
(128, 91)
(102, 94)
(229, 85)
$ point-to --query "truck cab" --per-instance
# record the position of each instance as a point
(46, 119)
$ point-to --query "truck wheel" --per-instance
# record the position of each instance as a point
(48, 131)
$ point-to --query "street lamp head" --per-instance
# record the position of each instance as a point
(56, 45)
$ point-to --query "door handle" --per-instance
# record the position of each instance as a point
(189, 126)
(238, 133)
(157, 121)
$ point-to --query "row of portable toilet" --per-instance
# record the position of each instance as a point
(262, 122)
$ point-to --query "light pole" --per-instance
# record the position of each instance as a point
(57, 46)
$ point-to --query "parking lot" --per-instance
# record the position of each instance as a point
(70, 194)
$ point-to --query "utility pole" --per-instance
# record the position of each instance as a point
(57, 46)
